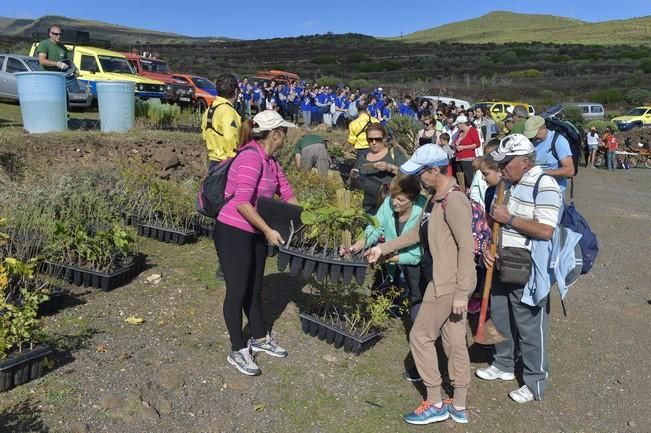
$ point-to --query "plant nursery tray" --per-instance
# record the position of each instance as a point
(53, 304)
(101, 280)
(130, 219)
(337, 337)
(279, 215)
(23, 367)
(167, 235)
(322, 267)
(206, 230)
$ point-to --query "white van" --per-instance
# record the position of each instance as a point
(589, 110)
(457, 102)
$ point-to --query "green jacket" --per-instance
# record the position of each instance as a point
(387, 227)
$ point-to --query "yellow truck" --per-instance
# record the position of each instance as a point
(500, 110)
(99, 64)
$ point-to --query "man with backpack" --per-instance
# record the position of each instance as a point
(553, 152)
(531, 214)
(220, 124)
(357, 128)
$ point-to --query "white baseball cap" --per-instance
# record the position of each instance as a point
(428, 155)
(269, 120)
(511, 146)
(461, 119)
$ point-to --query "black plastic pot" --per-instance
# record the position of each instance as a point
(166, 235)
(22, 367)
(322, 267)
(100, 280)
(206, 230)
(337, 337)
(53, 304)
(130, 219)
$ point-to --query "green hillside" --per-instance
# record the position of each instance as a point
(118, 35)
(504, 27)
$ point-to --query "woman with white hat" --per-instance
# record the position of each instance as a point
(241, 237)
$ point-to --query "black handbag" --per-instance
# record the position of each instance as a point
(514, 265)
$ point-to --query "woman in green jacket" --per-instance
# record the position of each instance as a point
(398, 213)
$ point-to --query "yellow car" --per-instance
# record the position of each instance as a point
(500, 110)
(98, 64)
(638, 117)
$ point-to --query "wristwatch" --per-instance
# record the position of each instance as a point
(508, 225)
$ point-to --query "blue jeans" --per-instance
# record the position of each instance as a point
(611, 160)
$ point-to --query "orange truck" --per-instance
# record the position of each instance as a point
(176, 91)
(204, 89)
(277, 76)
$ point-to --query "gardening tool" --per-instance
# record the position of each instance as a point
(486, 332)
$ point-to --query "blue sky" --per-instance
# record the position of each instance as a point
(254, 19)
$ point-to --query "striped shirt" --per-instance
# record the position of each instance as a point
(252, 175)
(545, 210)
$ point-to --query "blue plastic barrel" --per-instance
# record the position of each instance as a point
(42, 97)
(117, 103)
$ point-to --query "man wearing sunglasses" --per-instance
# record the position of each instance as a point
(51, 52)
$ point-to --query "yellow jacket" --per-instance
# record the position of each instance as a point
(357, 130)
(223, 136)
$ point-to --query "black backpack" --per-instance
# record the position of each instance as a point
(574, 136)
(210, 197)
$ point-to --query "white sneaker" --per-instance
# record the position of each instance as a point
(244, 362)
(522, 395)
(492, 373)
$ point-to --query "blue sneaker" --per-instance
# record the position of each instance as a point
(427, 413)
(458, 415)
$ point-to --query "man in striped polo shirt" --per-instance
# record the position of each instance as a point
(528, 215)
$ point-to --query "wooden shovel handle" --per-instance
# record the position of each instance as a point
(489, 270)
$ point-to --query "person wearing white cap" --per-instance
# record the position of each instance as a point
(532, 213)
(445, 233)
(466, 145)
(241, 237)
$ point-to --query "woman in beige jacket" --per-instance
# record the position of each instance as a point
(445, 233)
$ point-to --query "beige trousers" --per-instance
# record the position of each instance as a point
(435, 319)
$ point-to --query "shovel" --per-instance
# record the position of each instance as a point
(486, 333)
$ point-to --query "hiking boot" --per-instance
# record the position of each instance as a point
(412, 375)
(269, 346)
(458, 415)
(492, 373)
(244, 362)
(427, 413)
(522, 395)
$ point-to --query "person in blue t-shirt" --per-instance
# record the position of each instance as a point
(373, 108)
(405, 108)
(561, 165)
(385, 112)
(257, 96)
(306, 106)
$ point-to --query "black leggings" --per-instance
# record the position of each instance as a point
(242, 257)
(468, 173)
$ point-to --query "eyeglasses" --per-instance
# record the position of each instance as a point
(375, 139)
(56, 34)
(427, 123)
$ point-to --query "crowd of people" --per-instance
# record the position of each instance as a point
(424, 205)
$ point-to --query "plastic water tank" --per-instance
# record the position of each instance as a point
(42, 97)
(117, 102)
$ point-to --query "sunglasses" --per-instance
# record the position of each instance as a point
(375, 139)
(439, 114)
(56, 34)
(427, 123)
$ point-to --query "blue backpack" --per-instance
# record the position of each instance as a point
(573, 220)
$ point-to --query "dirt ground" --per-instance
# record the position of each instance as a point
(170, 374)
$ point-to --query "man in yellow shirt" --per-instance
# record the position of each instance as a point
(220, 123)
(357, 128)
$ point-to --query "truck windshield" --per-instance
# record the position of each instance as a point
(115, 64)
(637, 112)
(156, 66)
(202, 83)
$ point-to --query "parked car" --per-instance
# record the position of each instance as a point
(499, 110)
(204, 90)
(176, 91)
(589, 110)
(79, 94)
(98, 64)
(446, 100)
(638, 117)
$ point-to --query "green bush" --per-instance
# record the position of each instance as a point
(645, 65)
(360, 83)
(325, 60)
(573, 114)
(404, 130)
(157, 114)
(328, 80)
(608, 96)
(638, 96)
(526, 73)
(601, 125)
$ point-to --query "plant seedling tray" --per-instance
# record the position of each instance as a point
(52, 305)
(279, 215)
(22, 367)
(130, 219)
(337, 337)
(206, 230)
(322, 267)
(166, 235)
(101, 280)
